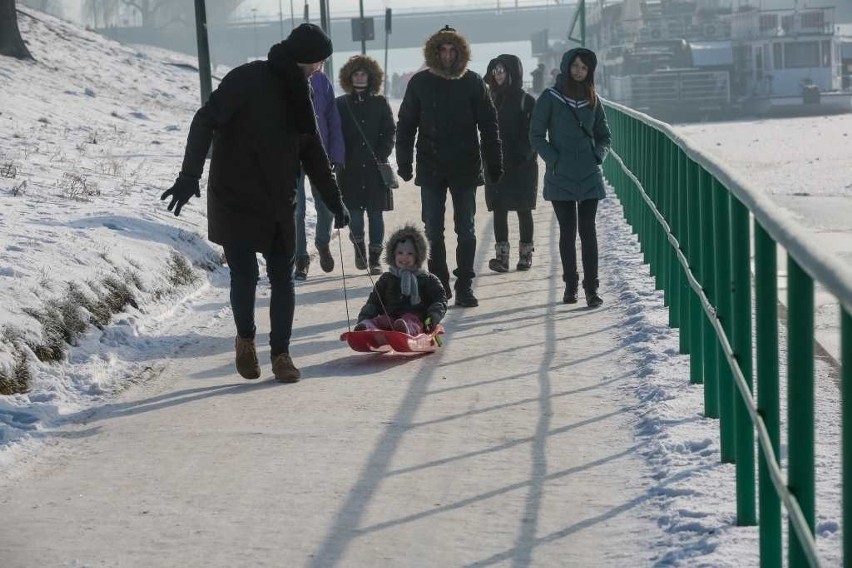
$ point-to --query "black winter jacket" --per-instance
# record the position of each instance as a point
(361, 182)
(433, 299)
(256, 122)
(518, 188)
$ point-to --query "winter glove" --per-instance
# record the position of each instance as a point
(405, 171)
(495, 172)
(341, 217)
(185, 187)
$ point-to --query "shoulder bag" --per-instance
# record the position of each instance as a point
(385, 169)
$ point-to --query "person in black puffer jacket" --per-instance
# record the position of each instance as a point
(406, 298)
(444, 106)
(518, 188)
(261, 124)
(368, 135)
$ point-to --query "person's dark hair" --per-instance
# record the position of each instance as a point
(586, 88)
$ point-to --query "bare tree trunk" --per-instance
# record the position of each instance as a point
(11, 42)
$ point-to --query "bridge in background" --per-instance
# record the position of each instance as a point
(237, 43)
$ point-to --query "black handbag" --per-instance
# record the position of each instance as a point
(385, 169)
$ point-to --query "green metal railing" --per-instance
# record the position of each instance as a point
(693, 221)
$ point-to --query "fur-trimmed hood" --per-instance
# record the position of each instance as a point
(374, 71)
(407, 233)
(433, 58)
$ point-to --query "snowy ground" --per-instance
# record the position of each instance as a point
(546, 425)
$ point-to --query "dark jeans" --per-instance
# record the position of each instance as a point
(242, 262)
(322, 233)
(501, 225)
(571, 216)
(376, 221)
(434, 203)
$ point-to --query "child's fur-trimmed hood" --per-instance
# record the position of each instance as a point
(407, 233)
(432, 55)
(374, 71)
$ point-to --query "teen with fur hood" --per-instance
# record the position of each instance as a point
(569, 131)
(447, 108)
(261, 124)
(368, 135)
(518, 188)
(406, 295)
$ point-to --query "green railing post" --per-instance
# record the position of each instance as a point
(741, 343)
(768, 406)
(683, 239)
(800, 397)
(696, 319)
(671, 215)
(846, 420)
(722, 229)
(711, 384)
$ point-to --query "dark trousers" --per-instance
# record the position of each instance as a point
(242, 262)
(573, 215)
(434, 203)
(376, 230)
(501, 225)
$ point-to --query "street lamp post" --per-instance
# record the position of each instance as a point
(363, 31)
(254, 30)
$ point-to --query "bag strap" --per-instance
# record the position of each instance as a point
(564, 101)
(358, 126)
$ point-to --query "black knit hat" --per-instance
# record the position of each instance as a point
(308, 44)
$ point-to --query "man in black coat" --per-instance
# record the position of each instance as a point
(444, 106)
(261, 123)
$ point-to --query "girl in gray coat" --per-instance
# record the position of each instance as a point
(570, 132)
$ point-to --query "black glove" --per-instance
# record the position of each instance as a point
(495, 172)
(341, 217)
(185, 187)
(405, 171)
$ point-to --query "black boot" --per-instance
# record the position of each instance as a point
(302, 264)
(375, 255)
(360, 255)
(593, 300)
(570, 295)
(465, 297)
(326, 260)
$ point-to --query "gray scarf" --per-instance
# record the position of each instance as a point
(408, 281)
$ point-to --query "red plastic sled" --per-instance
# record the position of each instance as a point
(382, 341)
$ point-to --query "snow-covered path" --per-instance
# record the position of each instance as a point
(513, 445)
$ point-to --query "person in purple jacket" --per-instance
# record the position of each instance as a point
(328, 123)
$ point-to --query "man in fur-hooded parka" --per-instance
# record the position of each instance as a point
(447, 108)
(388, 288)
(518, 188)
(261, 124)
(361, 183)
(444, 108)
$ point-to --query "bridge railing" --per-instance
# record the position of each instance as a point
(694, 219)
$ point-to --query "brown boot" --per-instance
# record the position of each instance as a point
(246, 359)
(284, 369)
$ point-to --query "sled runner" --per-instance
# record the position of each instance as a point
(384, 341)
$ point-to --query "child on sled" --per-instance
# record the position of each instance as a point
(407, 295)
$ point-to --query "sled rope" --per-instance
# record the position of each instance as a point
(370, 276)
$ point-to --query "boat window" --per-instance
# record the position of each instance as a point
(801, 54)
